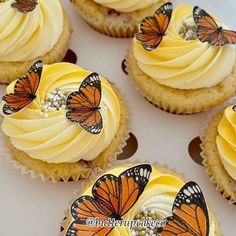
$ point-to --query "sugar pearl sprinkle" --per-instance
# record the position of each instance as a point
(145, 214)
(188, 31)
(54, 101)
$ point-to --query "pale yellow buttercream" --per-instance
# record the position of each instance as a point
(226, 141)
(126, 5)
(159, 195)
(25, 36)
(56, 139)
(182, 64)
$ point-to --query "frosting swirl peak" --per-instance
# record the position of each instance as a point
(55, 139)
(185, 64)
(25, 36)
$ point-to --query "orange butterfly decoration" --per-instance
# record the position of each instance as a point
(25, 6)
(153, 28)
(112, 198)
(190, 214)
(83, 105)
(208, 30)
(24, 91)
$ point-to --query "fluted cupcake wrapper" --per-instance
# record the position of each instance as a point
(105, 160)
(10, 71)
(122, 25)
(213, 119)
(65, 223)
(179, 101)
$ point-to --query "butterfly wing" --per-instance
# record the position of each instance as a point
(78, 229)
(24, 90)
(83, 105)
(14, 103)
(153, 28)
(120, 194)
(29, 84)
(25, 6)
(206, 25)
(174, 227)
(106, 190)
(82, 209)
(229, 36)
(190, 214)
(208, 30)
(132, 183)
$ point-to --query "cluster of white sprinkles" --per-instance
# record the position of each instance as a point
(188, 31)
(54, 101)
(145, 214)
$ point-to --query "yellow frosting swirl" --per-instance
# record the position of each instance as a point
(226, 141)
(56, 139)
(25, 36)
(159, 195)
(185, 64)
(126, 5)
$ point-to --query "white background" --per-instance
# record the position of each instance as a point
(32, 208)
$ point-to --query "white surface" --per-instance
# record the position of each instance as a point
(32, 208)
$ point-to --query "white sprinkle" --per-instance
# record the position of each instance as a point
(50, 96)
(143, 208)
(56, 104)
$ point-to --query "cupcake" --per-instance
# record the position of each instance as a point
(219, 153)
(178, 72)
(116, 18)
(160, 191)
(59, 131)
(31, 31)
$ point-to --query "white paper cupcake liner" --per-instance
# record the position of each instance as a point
(6, 154)
(203, 133)
(122, 26)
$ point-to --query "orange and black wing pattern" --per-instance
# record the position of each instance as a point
(83, 209)
(112, 198)
(25, 6)
(132, 183)
(190, 214)
(153, 28)
(24, 91)
(208, 30)
(106, 191)
(83, 105)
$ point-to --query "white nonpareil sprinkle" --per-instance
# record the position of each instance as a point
(54, 101)
(145, 214)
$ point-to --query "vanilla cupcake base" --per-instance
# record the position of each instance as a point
(10, 71)
(213, 164)
(88, 184)
(180, 101)
(78, 170)
(110, 22)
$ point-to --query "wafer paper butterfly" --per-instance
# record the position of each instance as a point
(153, 28)
(25, 6)
(24, 91)
(83, 105)
(112, 197)
(208, 30)
(190, 215)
